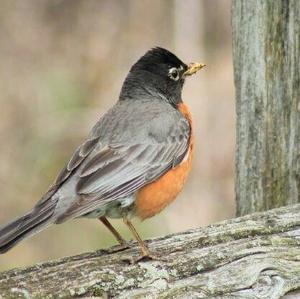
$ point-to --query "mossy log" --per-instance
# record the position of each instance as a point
(255, 256)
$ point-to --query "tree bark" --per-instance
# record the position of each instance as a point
(266, 48)
(256, 256)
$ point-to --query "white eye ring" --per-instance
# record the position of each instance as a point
(174, 74)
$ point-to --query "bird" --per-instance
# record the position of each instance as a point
(134, 161)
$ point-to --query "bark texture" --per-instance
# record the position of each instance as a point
(256, 256)
(266, 48)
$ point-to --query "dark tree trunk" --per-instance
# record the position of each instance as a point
(266, 50)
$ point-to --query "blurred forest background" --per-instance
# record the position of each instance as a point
(62, 64)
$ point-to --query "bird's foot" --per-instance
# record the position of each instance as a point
(118, 248)
(144, 257)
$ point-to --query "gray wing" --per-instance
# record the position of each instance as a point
(76, 160)
(118, 170)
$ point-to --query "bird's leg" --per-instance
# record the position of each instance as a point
(123, 243)
(145, 251)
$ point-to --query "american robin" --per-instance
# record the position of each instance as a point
(134, 162)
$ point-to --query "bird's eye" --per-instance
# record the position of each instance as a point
(174, 73)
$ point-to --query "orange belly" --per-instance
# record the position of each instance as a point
(154, 197)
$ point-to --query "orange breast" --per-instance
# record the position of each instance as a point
(154, 197)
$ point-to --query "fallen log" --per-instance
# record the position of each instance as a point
(255, 256)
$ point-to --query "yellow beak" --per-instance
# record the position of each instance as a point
(193, 68)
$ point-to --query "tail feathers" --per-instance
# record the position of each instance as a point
(25, 226)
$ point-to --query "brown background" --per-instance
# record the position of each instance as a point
(62, 64)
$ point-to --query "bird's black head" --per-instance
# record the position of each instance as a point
(158, 74)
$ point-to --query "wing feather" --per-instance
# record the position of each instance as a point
(117, 172)
(78, 157)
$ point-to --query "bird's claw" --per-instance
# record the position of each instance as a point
(117, 248)
(142, 258)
